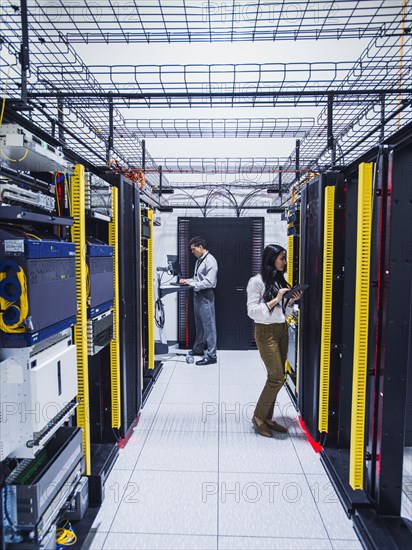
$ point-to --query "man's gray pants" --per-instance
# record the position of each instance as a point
(205, 322)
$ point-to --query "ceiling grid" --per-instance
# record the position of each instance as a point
(377, 86)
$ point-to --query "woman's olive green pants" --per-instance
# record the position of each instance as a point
(272, 343)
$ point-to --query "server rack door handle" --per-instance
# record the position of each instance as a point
(240, 288)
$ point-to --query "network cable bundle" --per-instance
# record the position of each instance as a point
(100, 294)
(37, 287)
(98, 197)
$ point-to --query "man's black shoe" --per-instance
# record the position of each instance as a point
(206, 361)
(193, 352)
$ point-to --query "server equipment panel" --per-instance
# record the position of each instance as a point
(35, 388)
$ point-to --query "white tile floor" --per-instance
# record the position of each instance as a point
(406, 510)
(196, 476)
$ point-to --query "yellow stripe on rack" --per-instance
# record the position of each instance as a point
(80, 329)
(360, 354)
(150, 295)
(289, 268)
(326, 325)
(115, 343)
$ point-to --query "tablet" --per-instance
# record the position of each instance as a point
(288, 295)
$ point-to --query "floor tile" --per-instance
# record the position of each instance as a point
(242, 376)
(250, 452)
(181, 451)
(336, 522)
(406, 507)
(166, 373)
(240, 359)
(346, 545)
(234, 395)
(130, 453)
(407, 461)
(266, 543)
(267, 505)
(184, 394)
(146, 417)
(127, 541)
(169, 502)
(193, 374)
(157, 393)
(117, 486)
(194, 474)
(309, 459)
(200, 417)
(94, 540)
(236, 417)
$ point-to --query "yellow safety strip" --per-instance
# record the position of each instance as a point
(360, 354)
(289, 269)
(80, 329)
(150, 294)
(326, 324)
(115, 343)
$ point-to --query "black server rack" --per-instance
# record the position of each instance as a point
(310, 321)
(376, 509)
(130, 303)
(237, 245)
(389, 329)
(293, 231)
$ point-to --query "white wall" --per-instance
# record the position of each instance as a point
(165, 242)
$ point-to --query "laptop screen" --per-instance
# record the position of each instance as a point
(174, 266)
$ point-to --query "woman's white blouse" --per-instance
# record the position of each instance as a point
(257, 308)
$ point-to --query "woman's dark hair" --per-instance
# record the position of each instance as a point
(272, 278)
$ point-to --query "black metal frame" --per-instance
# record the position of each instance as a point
(363, 101)
(145, 21)
(376, 509)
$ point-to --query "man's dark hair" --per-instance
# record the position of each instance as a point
(198, 241)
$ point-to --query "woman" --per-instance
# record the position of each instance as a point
(265, 306)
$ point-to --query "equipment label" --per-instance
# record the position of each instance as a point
(13, 246)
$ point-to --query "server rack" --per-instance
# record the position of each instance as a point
(321, 267)
(389, 343)
(101, 285)
(41, 346)
(370, 350)
(292, 277)
(151, 368)
(237, 245)
(131, 349)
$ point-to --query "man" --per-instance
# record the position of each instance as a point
(203, 282)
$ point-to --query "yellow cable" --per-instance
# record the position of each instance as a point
(4, 96)
(65, 537)
(87, 281)
(15, 160)
(23, 306)
(34, 236)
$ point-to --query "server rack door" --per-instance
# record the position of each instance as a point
(310, 312)
(237, 245)
(348, 313)
(130, 307)
(389, 339)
